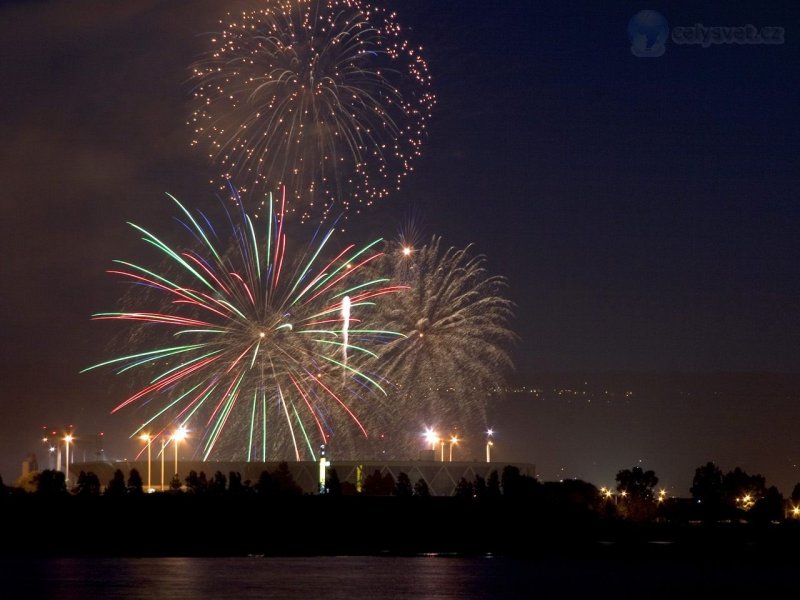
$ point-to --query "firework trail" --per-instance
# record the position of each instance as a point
(323, 97)
(246, 339)
(455, 348)
(345, 329)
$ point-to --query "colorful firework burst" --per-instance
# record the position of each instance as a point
(454, 351)
(253, 347)
(323, 97)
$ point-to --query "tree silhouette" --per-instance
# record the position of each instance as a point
(578, 493)
(741, 490)
(707, 484)
(116, 487)
(493, 485)
(517, 485)
(88, 484)
(403, 488)
(235, 483)
(175, 483)
(265, 486)
(769, 507)
(376, 484)
(637, 483)
(217, 484)
(463, 489)
(349, 489)
(135, 485)
(636, 490)
(196, 484)
(51, 483)
(479, 487)
(332, 483)
(796, 493)
(284, 482)
(421, 489)
(372, 484)
(510, 481)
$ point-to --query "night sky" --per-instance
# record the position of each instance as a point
(644, 210)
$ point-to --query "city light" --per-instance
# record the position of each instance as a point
(432, 438)
(453, 441)
(67, 441)
(145, 437)
(177, 437)
(163, 449)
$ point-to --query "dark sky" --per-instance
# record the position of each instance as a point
(644, 210)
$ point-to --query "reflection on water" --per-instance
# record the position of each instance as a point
(382, 578)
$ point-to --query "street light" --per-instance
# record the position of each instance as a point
(453, 441)
(164, 441)
(145, 437)
(67, 441)
(431, 437)
(179, 435)
(489, 445)
(51, 449)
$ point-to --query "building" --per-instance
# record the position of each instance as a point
(29, 465)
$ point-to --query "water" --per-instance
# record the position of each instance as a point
(379, 578)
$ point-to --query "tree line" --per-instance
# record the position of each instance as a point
(714, 495)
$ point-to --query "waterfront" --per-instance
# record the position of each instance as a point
(431, 577)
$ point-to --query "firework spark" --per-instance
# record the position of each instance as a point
(323, 97)
(455, 347)
(345, 327)
(249, 339)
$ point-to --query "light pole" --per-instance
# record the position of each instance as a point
(432, 437)
(179, 435)
(489, 445)
(67, 442)
(145, 437)
(441, 443)
(51, 450)
(44, 442)
(163, 449)
(453, 442)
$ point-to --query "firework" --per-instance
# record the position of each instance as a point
(253, 348)
(456, 337)
(323, 97)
